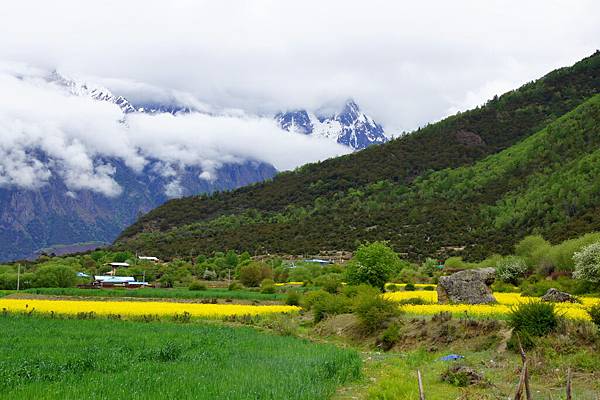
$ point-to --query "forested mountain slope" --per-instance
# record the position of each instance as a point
(380, 193)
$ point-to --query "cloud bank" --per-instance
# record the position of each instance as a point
(406, 63)
(46, 131)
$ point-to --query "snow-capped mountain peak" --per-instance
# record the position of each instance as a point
(81, 88)
(350, 126)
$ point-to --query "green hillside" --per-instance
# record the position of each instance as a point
(542, 183)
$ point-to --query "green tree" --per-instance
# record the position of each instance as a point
(251, 275)
(54, 276)
(372, 264)
(533, 249)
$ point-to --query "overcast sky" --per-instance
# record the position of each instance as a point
(405, 63)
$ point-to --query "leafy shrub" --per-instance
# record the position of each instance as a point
(252, 275)
(409, 287)
(197, 285)
(429, 288)
(510, 269)
(523, 338)
(373, 264)
(267, 286)
(372, 311)
(416, 301)
(455, 263)
(389, 337)
(282, 324)
(324, 304)
(587, 263)
(54, 276)
(234, 286)
(293, 298)
(534, 250)
(392, 287)
(594, 313)
(503, 287)
(329, 282)
(209, 275)
(533, 318)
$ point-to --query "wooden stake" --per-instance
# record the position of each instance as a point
(421, 391)
(521, 385)
(525, 368)
(569, 384)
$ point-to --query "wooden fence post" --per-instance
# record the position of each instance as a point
(525, 367)
(421, 391)
(569, 384)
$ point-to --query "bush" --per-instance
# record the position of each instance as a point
(389, 337)
(409, 287)
(196, 285)
(267, 286)
(234, 286)
(503, 287)
(209, 275)
(372, 311)
(373, 264)
(455, 263)
(510, 269)
(594, 313)
(324, 304)
(429, 288)
(329, 282)
(534, 250)
(415, 301)
(54, 276)
(392, 287)
(252, 275)
(282, 324)
(293, 298)
(533, 318)
(587, 263)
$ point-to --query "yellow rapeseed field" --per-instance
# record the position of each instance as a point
(501, 309)
(136, 308)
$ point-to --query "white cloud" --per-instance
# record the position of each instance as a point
(406, 63)
(44, 130)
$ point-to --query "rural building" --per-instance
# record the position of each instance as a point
(116, 281)
(115, 265)
(147, 258)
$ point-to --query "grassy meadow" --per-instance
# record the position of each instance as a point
(45, 358)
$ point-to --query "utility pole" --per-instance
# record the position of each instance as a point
(18, 276)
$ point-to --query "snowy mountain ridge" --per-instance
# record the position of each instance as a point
(350, 127)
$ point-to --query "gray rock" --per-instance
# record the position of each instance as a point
(469, 287)
(556, 296)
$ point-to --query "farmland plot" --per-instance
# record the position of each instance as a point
(45, 358)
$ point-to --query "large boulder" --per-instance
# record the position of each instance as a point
(469, 287)
(556, 296)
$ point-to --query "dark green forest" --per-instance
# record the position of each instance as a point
(471, 184)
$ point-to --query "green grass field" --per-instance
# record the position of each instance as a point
(158, 293)
(43, 358)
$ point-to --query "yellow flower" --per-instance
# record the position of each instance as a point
(133, 308)
(501, 309)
